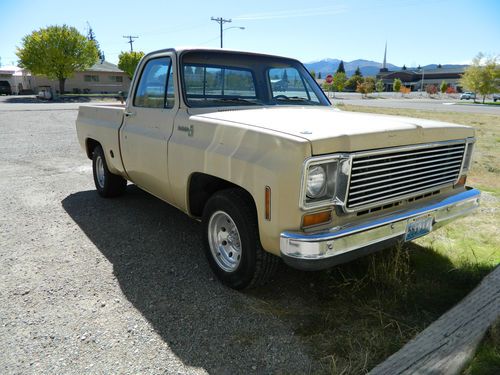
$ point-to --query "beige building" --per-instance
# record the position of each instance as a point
(102, 78)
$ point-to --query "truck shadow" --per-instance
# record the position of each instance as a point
(290, 326)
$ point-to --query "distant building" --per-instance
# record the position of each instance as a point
(101, 78)
(20, 81)
(419, 79)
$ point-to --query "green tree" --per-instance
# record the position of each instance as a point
(482, 77)
(443, 87)
(319, 75)
(341, 68)
(358, 72)
(57, 52)
(379, 86)
(396, 85)
(352, 83)
(128, 61)
(313, 74)
(339, 81)
(404, 67)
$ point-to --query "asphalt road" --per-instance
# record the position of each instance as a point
(416, 102)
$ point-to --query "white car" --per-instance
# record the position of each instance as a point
(468, 95)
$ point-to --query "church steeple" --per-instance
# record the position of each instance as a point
(384, 65)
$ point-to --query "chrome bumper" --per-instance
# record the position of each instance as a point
(314, 251)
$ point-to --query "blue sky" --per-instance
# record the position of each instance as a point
(417, 32)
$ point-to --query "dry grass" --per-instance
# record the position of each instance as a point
(353, 316)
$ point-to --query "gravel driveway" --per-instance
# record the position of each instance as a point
(89, 285)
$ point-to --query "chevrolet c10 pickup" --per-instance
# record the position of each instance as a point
(250, 145)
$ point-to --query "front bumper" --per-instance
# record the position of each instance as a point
(315, 251)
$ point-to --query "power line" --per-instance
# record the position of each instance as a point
(221, 21)
(130, 40)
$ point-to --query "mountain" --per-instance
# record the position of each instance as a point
(367, 67)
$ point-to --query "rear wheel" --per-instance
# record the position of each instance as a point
(107, 184)
(232, 243)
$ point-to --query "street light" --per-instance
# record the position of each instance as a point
(221, 21)
(227, 28)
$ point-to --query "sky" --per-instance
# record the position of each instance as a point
(417, 32)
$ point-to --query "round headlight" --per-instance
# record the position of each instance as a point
(316, 181)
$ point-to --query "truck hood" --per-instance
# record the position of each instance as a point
(330, 130)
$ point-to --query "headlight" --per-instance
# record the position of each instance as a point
(316, 181)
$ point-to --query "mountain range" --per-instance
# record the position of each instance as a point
(367, 67)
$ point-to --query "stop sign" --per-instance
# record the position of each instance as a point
(329, 78)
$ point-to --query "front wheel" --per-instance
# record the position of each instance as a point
(232, 242)
(107, 184)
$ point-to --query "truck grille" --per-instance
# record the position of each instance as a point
(393, 174)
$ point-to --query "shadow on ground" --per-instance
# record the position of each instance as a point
(302, 322)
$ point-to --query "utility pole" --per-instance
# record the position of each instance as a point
(221, 21)
(130, 40)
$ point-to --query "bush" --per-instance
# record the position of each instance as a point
(431, 90)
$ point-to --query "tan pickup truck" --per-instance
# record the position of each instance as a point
(249, 144)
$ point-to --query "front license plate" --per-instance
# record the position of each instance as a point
(418, 227)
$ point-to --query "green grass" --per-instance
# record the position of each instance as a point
(487, 358)
(479, 102)
(351, 317)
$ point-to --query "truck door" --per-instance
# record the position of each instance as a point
(148, 124)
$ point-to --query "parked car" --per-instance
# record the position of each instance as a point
(272, 174)
(5, 88)
(468, 95)
(496, 97)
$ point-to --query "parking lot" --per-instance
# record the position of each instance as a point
(115, 286)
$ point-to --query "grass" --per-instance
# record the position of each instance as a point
(487, 358)
(351, 317)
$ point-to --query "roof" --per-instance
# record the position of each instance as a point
(104, 66)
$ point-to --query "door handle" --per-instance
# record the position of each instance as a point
(129, 114)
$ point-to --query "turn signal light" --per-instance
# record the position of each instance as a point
(316, 218)
(461, 181)
(268, 203)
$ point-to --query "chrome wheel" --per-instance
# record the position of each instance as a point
(99, 171)
(224, 241)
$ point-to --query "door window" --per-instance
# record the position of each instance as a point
(150, 92)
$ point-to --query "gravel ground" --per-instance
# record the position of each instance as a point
(89, 285)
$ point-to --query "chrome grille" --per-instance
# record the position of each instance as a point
(393, 174)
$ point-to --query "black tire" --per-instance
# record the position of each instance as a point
(110, 185)
(256, 266)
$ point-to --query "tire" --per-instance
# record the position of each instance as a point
(108, 185)
(245, 266)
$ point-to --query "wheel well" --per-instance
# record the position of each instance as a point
(90, 144)
(202, 186)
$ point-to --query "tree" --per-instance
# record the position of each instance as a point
(404, 67)
(128, 61)
(341, 68)
(379, 86)
(319, 75)
(91, 36)
(56, 52)
(358, 72)
(352, 83)
(313, 74)
(339, 81)
(366, 86)
(443, 87)
(431, 90)
(482, 77)
(396, 85)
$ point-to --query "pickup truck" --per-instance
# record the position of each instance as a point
(250, 145)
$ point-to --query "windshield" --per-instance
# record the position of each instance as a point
(212, 78)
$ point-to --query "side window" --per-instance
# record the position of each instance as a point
(150, 91)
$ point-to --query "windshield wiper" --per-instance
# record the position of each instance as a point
(283, 98)
(237, 100)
